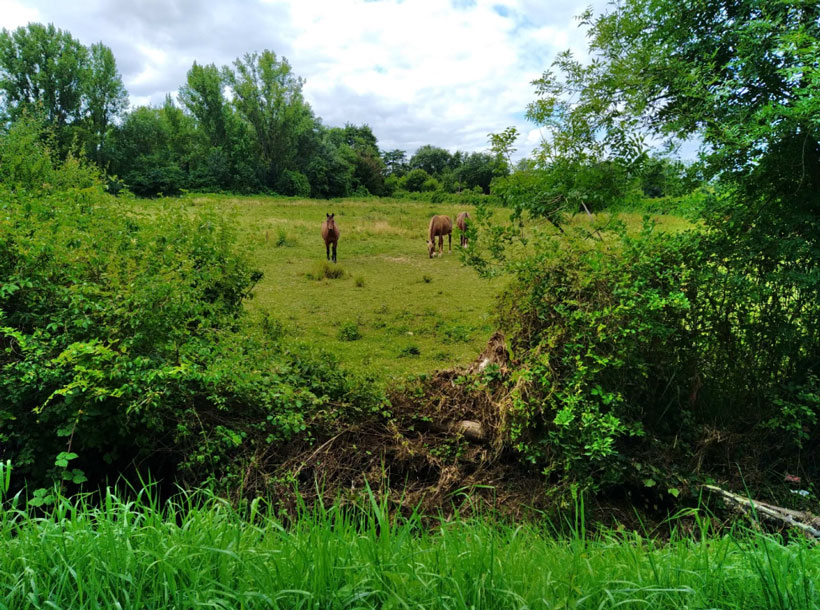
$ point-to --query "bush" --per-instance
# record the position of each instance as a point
(293, 184)
(655, 335)
(349, 331)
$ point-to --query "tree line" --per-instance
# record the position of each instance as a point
(244, 127)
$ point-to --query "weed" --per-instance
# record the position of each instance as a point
(326, 270)
(349, 331)
(359, 281)
(409, 351)
(281, 238)
(455, 332)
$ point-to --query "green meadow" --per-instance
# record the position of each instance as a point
(391, 311)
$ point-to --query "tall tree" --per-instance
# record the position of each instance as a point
(42, 65)
(268, 95)
(368, 166)
(395, 162)
(106, 98)
(742, 75)
(432, 159)
(203, 96)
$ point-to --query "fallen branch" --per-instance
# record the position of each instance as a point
(792, 518)
(471, 430)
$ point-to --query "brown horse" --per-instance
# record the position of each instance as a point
(439, 227)
(330, 233)
(461, 223)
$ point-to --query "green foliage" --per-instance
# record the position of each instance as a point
(106, 101)
(655, 334)
(267, 95)
(42, 65)
(123, 339)
(349, 331)
(594, 328)
(432, 159)
(294, 184)
(414, 180)
(78, 90)
(668, 335)
(150, 150)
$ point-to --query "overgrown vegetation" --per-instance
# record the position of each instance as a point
(122, 338)
(710, 337)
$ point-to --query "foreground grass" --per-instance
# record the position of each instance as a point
(202, 553)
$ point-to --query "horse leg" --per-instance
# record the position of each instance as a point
(327, 247)
(334, 251)
(450, 241)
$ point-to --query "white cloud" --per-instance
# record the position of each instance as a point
(15, 14)
(418, 72)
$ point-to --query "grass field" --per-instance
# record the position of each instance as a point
(393, 311)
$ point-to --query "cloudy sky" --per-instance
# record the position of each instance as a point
(441, 72)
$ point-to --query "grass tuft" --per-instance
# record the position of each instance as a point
(325, 270)
(349, 331)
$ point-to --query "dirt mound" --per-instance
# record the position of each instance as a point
(440, 449)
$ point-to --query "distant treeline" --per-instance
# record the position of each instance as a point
(246, 128)
(242, 128)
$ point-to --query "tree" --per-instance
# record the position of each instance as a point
(268, 96)
(502, 144)
(42, 65)
(203, 96)
(742, 75)
(106, 99)
(78, 90)
(395, 162)
(414, 180)
(151, 150)
(432, 160)
(368, 167)
(479, 169)
(734, 303)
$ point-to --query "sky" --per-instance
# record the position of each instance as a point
(440, 72)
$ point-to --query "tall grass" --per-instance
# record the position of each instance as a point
(197, 551)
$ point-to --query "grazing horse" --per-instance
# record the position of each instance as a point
(439, 227)
(461, 223)
(330, 233)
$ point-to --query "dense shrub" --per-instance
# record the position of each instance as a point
(123, 340)
(661, 336)
(293, 184)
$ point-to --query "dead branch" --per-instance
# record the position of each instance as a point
(792, 518)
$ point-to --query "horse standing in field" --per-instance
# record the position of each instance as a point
(461, 223)
(439, 227)
(330, 233)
